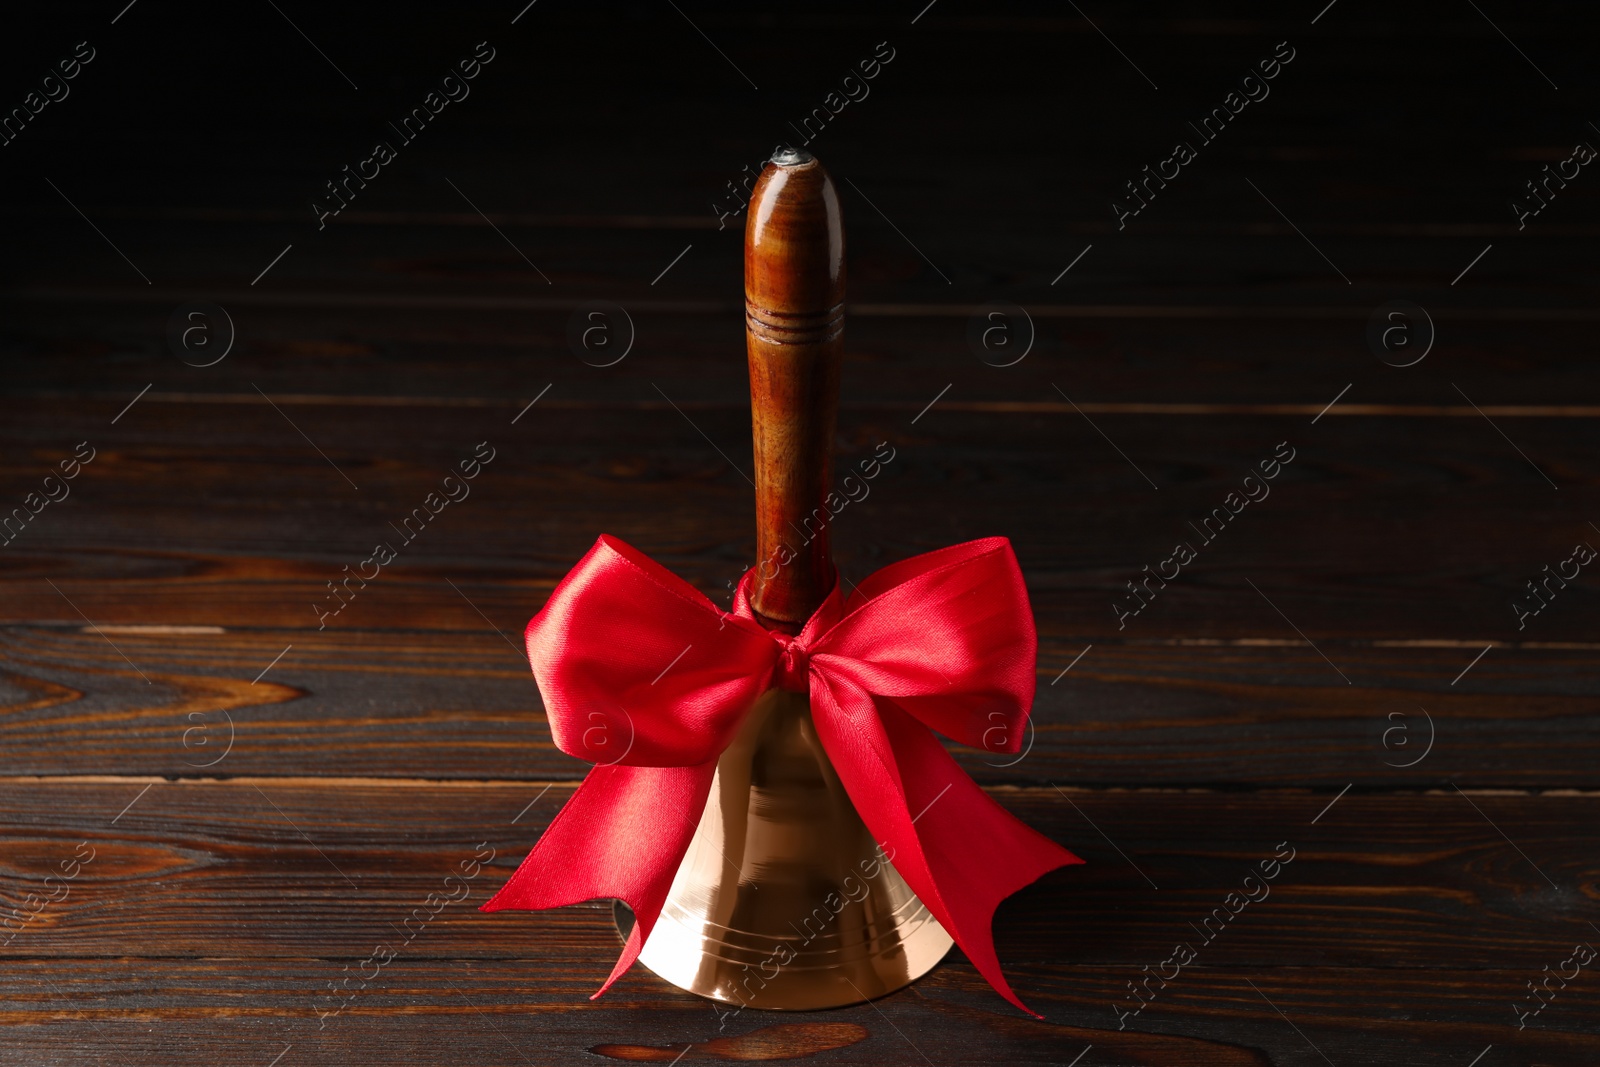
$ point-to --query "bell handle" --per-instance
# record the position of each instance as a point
(794, 336)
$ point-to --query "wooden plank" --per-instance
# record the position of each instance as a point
(460, 351)
(299, 867)
(462, 704)
(516, 1012)
(1388, 505)
(1401, 924)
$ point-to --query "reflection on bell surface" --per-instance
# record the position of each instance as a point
(783, 899)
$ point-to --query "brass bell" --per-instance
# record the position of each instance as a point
(784, 900)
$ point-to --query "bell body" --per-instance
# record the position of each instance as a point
(784, 900)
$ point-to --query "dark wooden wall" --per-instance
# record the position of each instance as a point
(1342, 670)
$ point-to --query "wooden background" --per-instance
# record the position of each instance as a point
(1342, 670)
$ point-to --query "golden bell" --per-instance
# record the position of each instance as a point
(783, 899)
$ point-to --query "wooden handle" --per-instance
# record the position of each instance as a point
(794, 333)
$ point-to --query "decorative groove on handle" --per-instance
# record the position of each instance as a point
(787, 328)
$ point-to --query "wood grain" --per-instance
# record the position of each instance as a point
(330, 342)
(512, 1012)
(461, 704)
(504, 1012)
(1395, 564)
(1403, 928)
(1391, 879)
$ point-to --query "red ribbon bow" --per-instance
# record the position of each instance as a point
(942, 641)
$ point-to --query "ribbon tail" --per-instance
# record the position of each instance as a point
(958, 850)
(616, 837)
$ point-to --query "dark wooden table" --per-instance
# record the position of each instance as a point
(239, 806)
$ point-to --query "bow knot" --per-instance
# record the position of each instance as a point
(794, 666)
(941, 642)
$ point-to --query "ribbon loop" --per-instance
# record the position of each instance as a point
(645, 677)
(637, 668)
